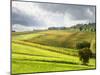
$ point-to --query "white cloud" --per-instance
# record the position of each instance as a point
(18, 28)
(68, 22)
(90, 12)
(26, 7)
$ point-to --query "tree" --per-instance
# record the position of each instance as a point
(80, 28)
(82, 44)
(84, 52)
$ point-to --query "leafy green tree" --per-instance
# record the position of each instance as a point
(82, 44)
(80, 28)
(84, 52)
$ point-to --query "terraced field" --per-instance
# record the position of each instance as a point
(48, 51)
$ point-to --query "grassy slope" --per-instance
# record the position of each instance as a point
(64, 38)
(30, 57)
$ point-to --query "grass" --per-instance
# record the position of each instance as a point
(44, 51)
(60, 38)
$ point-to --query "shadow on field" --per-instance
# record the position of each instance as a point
(51, 61)
(87, 65)
(63, 62)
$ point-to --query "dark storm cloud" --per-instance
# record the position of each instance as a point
(20, 17)
(77, 12)
(60, 8)
(82, 13)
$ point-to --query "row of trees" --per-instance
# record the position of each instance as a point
(86, 27)
(91, 27)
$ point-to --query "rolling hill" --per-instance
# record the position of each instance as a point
(48, 51)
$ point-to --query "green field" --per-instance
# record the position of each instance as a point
(48, 51)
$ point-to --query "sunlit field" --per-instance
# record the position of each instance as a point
(49, 51)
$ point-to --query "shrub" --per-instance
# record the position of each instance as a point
(84, 51)
(83, 44)
(85, 54)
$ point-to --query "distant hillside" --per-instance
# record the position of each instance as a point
(62, 38)
(57, 28)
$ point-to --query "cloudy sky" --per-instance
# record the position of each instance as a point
(30, 15)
